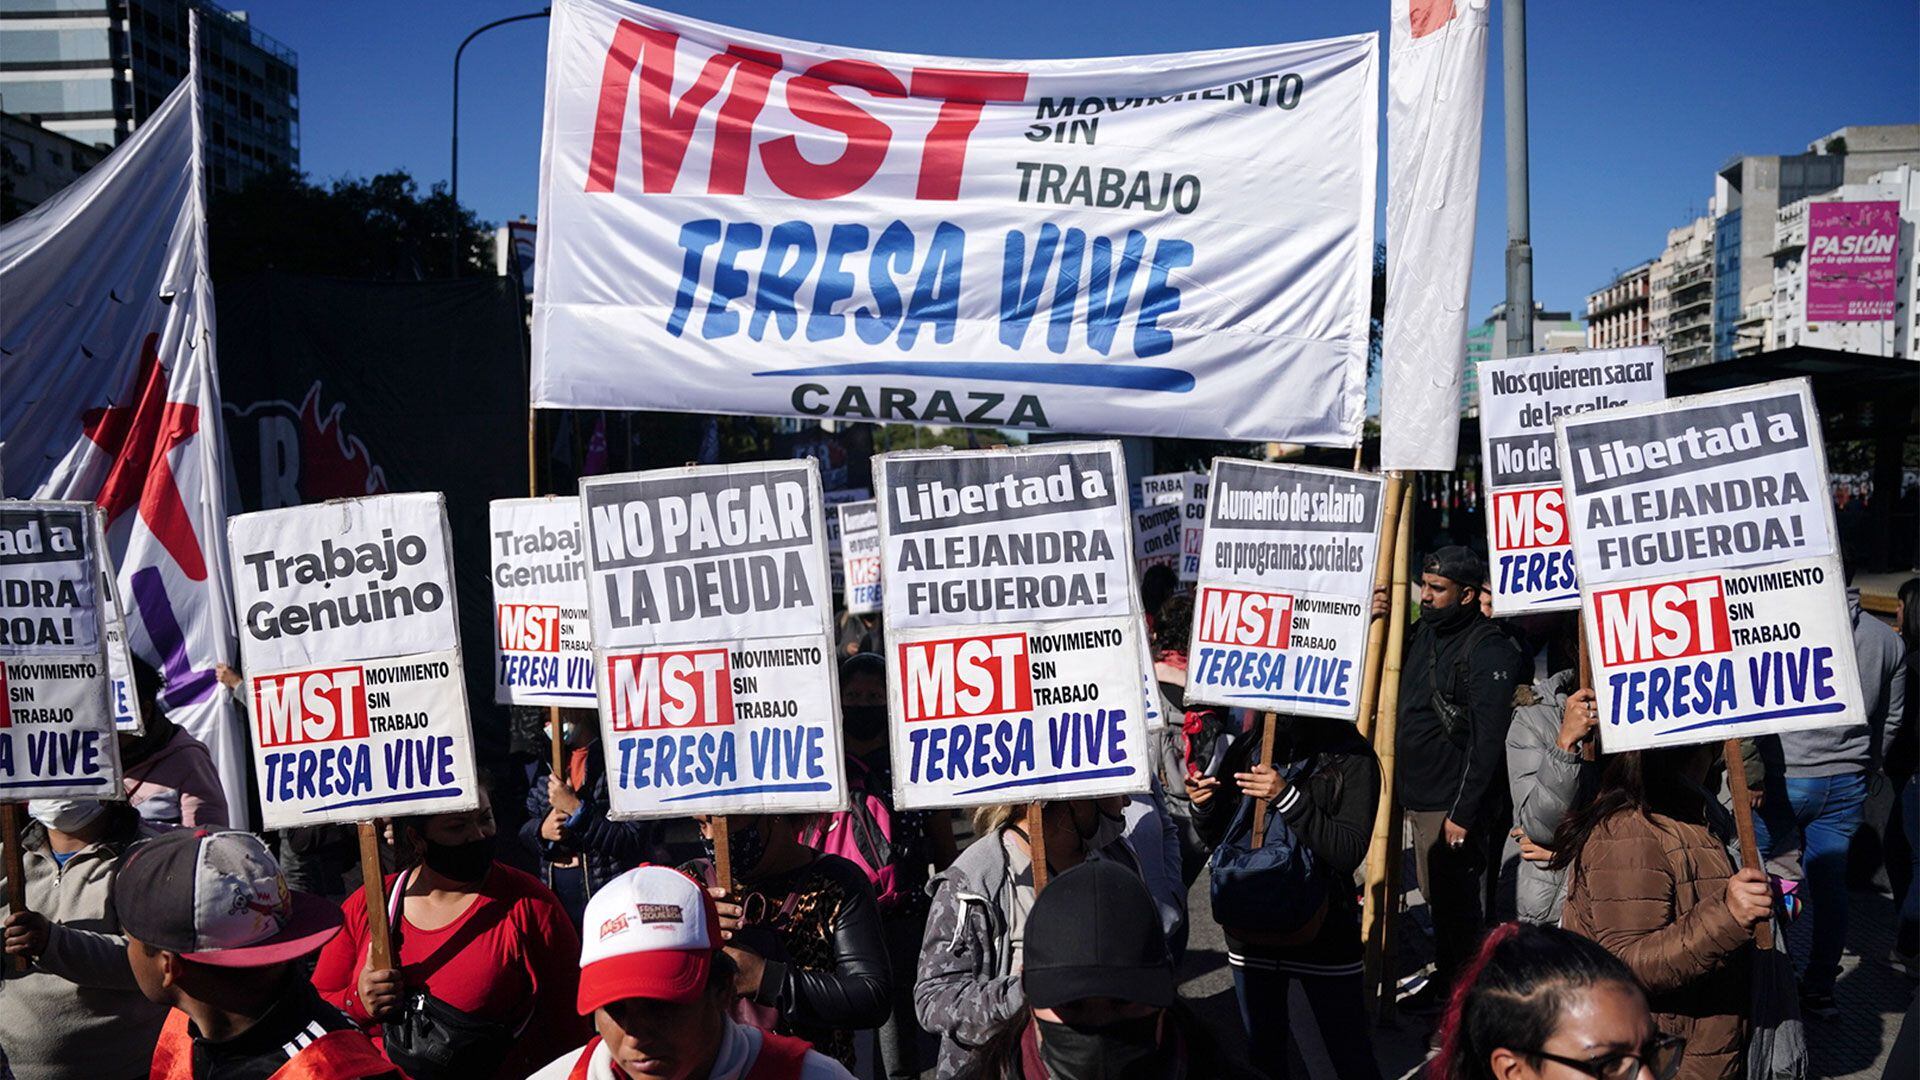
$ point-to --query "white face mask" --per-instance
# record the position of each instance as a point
(65, 815)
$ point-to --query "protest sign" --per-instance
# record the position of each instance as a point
(1012, 616)
(713, 639)
(357, 708)
(1530, 549)
(1193, 527)
(542, 647)
(832, 500)
(1178, 245)
(113, 628)
(1156, 537)
(56, 715)
(1286, 588)
(1711, 589)
(860, 546)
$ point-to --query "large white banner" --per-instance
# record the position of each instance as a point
(731, 222)
(56, 717)
(713, 632)
(1711, 589)
(1013, 623)
(542, 645)
(110, 393)
(1436, 89)
(1286, 588)
(356, 701)
(1530, 550)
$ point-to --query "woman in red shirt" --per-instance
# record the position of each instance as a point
(489, 943)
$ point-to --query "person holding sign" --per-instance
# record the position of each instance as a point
(803, 931)
(484, 957)
(1649, 877)
(1456, 700)
(214, 932)
(579, 847)
(76, 1014)
(658, 985)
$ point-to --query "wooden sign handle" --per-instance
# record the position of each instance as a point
(373, 884)
(559, 744)
(1037, 842)
(1743, 822)
(1267, 730)
(16, 864)
(722, 852)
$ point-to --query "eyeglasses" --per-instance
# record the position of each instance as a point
(1662, 1055)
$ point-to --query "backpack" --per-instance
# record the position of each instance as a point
(1276, 893)
(862, 835)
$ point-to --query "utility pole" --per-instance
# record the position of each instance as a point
(453, 170)
(1513, 61)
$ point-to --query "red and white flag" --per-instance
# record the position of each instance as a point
(1436, 89)
(112, 395)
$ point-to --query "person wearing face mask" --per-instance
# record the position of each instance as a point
(567, 828)
(484, 951)
(968, 978)
(803, 932)
(77, 1013)
(1456, 701)
(1099, 992)
(912, 841)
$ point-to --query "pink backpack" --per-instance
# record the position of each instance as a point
(862, 835)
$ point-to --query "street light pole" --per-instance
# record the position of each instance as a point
(454, 171)
(1513, 61)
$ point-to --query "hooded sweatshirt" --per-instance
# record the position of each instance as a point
(170, 779)
(78, 1015)
(1856, 748)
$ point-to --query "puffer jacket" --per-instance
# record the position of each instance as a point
(1545, 782)
(1652, 890)
(965, 985)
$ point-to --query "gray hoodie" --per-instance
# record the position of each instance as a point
(1858, 748)
(78, 1014)
(1545, 782)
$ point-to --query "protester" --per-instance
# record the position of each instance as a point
(567, 829)
(658, 986)
(168, 774)
(1816, 783)
(1539, 1003)
(1456, 700)
(1649, 877)
(914, 841)
(1547, 774)
(803, 931)
(858, 634)
(1158, 584)
(968, 978)
(76, 1014)
(1099, 991)
(1188, 745)
(213, 931)
(1324, 785)
(1903, 759)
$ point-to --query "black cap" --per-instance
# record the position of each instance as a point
(1094, 932)
(1457, 564)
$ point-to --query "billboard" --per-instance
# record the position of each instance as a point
(1853, 251)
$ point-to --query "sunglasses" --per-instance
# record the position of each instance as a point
(1661, 1055)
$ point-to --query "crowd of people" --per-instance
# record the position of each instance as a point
(1589, 911)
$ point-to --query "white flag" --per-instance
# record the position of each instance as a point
(112, 395)
(1436, 85)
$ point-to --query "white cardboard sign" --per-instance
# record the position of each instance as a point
(860, 549)
(542, 645)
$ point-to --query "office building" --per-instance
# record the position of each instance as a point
(1680, 294)
(35, 163)
(1553, 331)
(93, 70)
(1619, 315)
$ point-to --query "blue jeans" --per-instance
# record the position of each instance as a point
(1827, 811)
(1334, 1004)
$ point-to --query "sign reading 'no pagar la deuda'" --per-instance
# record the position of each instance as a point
(1013, 621)
(357, 706)
(1710, 582)
(713, 637)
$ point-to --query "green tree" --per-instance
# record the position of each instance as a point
(376, 227)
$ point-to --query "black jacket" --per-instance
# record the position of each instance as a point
(607, 848)
(1331, 809)
(1466, 778)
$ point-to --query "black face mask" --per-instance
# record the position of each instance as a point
(464, 863)
(1123, 1050)
(1448, 618)
(746, 846)
(864, 721)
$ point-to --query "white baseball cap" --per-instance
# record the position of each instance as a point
(649, 933)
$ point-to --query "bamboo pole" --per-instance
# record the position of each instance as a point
(1381, 895)
(1382, 578)
(373, 884)
(16, 865)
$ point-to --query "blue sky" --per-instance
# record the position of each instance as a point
(1635, 103)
